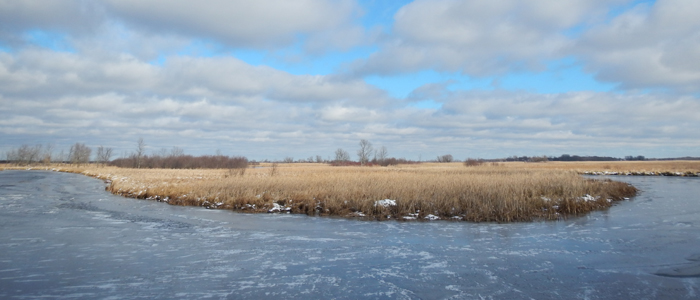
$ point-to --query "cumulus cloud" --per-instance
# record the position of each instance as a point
(264, 24)
(220, 99)
(244, 119)
(237, 23)
(109, 90)
(74, 16)
(478, 37)
(47, 73)
(649, 46)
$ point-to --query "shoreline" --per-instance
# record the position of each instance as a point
(527, 200)
(632, 173)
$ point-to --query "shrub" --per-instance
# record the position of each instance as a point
(470, 162)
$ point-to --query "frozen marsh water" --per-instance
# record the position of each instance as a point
(63, 237)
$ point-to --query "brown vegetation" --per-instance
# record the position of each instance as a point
(502, 193)
(655, 167)
(182, 161)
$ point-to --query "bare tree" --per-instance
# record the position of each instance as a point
(25, 155)
(61, 158)
(46, 155)
(445, 158)
(288, 159)
(79, 154)
(98, 154)
(319, 159)
(103, 155)
(177, 151)
(381, 154)
(341, 155)
(140, 152)
(162, 152)
(364, 152)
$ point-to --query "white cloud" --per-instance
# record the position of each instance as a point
(238, 23)
(62, 15)
(106, 91)
(147, 27)
(655, 46)
(478, 37)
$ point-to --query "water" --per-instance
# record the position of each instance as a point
(63, 237)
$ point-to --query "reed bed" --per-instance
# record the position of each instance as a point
(648, 168)
(488, 193)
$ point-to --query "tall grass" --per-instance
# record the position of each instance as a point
(486, 193)
(674, 167)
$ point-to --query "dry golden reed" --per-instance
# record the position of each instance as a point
(506, 192)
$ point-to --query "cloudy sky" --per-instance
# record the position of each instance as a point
(269, 79)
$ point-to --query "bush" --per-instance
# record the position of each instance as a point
(445, 158)
(184, 162)
(470, 162)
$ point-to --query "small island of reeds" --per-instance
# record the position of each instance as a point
(492, 192)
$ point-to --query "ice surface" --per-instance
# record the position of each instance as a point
(63, 237)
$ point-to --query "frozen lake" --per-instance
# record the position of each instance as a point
(63, 237)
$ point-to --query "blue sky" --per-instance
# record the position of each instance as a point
(271, 79)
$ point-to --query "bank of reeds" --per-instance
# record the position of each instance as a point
(486, 193)
(643, 168)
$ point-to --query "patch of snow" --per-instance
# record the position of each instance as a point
(278, 208)
(411, 216)
(432, 217)
(385, 203)
(588, 197)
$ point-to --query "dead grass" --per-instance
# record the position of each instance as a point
(674, 167)
(506, 192)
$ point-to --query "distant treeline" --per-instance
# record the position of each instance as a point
(391, 161)
(567, 157)
(182, 162)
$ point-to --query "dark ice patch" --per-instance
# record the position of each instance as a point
(688, 270)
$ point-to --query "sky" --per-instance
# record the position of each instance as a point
(270, 79)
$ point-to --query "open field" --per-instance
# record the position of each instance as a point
(506, 192)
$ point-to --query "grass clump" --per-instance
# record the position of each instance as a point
(483, 193)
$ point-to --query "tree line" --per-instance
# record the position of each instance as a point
(78, 154)
(367, 155)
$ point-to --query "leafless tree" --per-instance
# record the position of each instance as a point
(161, 153)
(288, 159)
(341, 155)
(79, 154)
(47, 153)
(445, 158)
(381, 154)
(364, 152)
(24, 155)
(140, 152)
(319, 159)
(176, 151)
(61, 157)
(103, 155)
